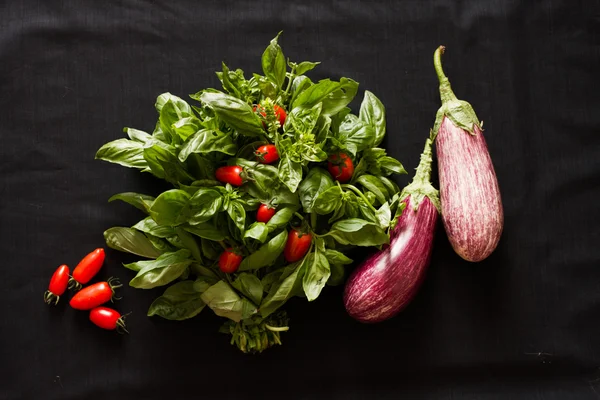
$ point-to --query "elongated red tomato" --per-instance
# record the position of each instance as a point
(267, 154)
(341, 167)
(265, 213)
(231, 174)
(279, 112)
(229, 261)
(107, 318)
(95, 295)
(297, 245)
(58, 285)
(87, 268)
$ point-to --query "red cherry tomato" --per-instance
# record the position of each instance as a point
(229, 261)
(87, 268)
(58, 285)
(297, 245)
(279, 112)
(231, 174)
(340, 166)
(107, 318)
(95, 295)
(265, 213)
(267, 154)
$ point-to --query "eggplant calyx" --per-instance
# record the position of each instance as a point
(421, 186)
(460, 112)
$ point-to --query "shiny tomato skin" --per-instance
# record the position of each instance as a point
(229, 261)
(59, 281)
(92, 296)
(265, 213)
(231, 174)
(341, 167)
(279, 112)
(267, 154)
(89, 266)
(105, 318)
(281, 115)
(297, 245)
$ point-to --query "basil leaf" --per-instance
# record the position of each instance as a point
(168, 207)
(164, 164)
(186, 127)
(137, 135)
(273, 63)
(225, 302)
(373, 184)
(125, 152)
(204, 204)
(189, 242)
(210, 249)
(178, 103)
(339, 212)
(367, 211)
(159, 272)
(372, 112)
(299, 84)
(250, 286)
(130, 241)
(390, 164)
(358, 232)
(159, 244)
(355, 134)
(315, 183)
(351, 207)
(280, 219)
(148, 225)
(203, 282)
(305, 66)
(138, 200)
(317, 273)
(302, 120)
(258, 231)
(267, 88)
(329, 200)
(236, 212)
(207, 141)
(235, 112)
(270, 279)
(389, 185)
(335, 96)
(206, 230)
(228, 78)
(336, 257)
(266, 254)
(180, 301)
(338, 99)
(315, 94)
(384, 215)
(338, 273)
(290, 173)
(282, 291)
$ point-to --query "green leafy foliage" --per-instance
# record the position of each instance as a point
(185, 229)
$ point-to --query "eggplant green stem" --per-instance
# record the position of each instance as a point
(446, 93)
(423, 174)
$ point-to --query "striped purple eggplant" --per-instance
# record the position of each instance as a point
(471, 204)
(387, 281)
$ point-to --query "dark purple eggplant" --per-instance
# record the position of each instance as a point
(387, 281)
(471, 203)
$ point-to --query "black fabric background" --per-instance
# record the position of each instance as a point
(523, 324)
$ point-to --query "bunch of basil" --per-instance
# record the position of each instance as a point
(186, 227)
